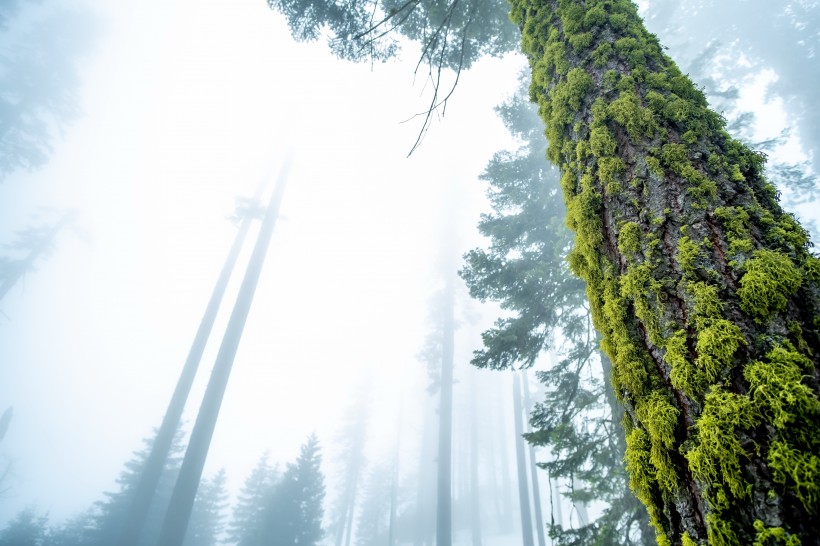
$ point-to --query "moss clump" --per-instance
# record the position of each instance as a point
(661, 418)
(686, 540)
(717, 344)
(771, 278)
(688, 253)
(720, 532)
(601, 142)
(629, 238)
(771, 536)
(798, 471)
(716, 458)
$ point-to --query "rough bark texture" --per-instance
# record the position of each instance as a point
(702, 287)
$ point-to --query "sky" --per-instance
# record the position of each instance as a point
(188, 105)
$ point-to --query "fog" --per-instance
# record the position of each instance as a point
(184, 109)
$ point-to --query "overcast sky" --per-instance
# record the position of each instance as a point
(187, 105)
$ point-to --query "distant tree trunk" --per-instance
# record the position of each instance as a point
(475, 486)
(536, 493)
(147, 484)
(523, 491)
(444, 495)
(179, 510)
(502, 442)
(394, 485)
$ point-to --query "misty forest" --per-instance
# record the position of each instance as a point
(409, 272)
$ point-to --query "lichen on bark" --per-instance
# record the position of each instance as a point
(703, 289)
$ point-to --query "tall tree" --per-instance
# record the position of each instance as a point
(250, 504)
(702, 287)
(146, 487)
(179, 509)
(521, 465)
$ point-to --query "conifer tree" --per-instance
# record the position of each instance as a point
(247, 512)
(294, 511)
(207, 519)
(25, 529)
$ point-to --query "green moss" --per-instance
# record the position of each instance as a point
(628, 112)
(780, 395)
(580, 42)
(660, 419)
(720, 532)
(716, 457)
(798, 471)
(686, 540)
(609, 170)
(654, 166)
(770, 279)
(641, 470)
(707, 303)
(688, 253)
(717, 344)
(629, 238)
(683, 374)
(594, 17)
(771, 536)
(602, 54)
(602, 142)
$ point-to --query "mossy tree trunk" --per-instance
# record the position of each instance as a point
(701, 286)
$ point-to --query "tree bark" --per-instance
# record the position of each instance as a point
(182, 499)
(701, 286)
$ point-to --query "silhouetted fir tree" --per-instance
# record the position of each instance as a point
(293, 513)
(372, 526)
(246, 519)
(110, 512)
(207, 519)
(25, 529)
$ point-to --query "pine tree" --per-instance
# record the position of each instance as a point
(293, 515)
(25, 529)
(110, 513)
(250, 505)
(207, 519)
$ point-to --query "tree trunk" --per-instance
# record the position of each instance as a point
(702, 287)
(444, 531)
(182, 499)
(147, 484)
(536, 493)
(475, 486)
(523, 490)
